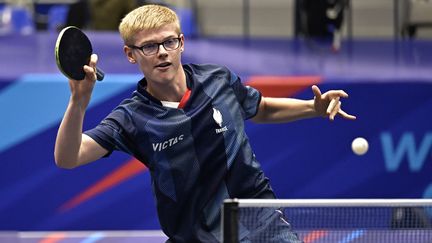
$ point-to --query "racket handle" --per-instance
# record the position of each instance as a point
(99, 74)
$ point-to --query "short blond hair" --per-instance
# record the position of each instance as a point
(147, 17)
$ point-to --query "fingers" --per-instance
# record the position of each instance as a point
(336, 93)
(316, 91)
(90, 69)
(334, 104)
(343, 94)
(333, 108)
(346, 115)
(331, 93)
(336, 110)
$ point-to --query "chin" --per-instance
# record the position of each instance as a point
(164, 79)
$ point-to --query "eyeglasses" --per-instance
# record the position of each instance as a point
(153, 48)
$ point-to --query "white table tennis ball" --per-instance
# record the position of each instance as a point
(359, 146)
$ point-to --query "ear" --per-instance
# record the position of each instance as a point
(129, 54)
(182, 43)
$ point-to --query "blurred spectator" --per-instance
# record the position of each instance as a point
(100, 14)
(78, 14)
(107, 14)
(17, 17)
(321, 18)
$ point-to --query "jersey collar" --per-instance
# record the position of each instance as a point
(142, 86)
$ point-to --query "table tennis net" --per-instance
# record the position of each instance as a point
(324, 220)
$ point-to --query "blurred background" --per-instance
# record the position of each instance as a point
(379, 51)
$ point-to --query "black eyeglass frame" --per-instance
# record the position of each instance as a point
(163, 43)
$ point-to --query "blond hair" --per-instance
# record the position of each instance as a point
(147, 17)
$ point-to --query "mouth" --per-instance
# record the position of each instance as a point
(163, 65)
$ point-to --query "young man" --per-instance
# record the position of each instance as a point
(186, 124)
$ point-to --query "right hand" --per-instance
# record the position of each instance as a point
(81, 90)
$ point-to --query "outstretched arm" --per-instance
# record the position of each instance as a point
(277, 110)
(72, 148)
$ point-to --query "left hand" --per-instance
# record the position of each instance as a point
(329, 104)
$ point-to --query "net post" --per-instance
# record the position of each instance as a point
(230, 221)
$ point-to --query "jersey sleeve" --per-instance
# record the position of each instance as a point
(248, 97)
(110, 134)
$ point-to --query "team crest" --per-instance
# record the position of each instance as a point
(217, 116)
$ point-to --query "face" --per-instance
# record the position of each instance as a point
(164, 66)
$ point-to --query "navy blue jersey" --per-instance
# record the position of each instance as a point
(197, 156)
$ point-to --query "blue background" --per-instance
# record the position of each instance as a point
(389, 84)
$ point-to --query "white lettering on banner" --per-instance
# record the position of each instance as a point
(168, 143)
(394, 151)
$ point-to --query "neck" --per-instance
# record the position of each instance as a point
(172, 91)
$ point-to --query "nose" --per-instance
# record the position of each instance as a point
(162, 50)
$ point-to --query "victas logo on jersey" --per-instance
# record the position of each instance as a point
(217, 116)
(168, 143)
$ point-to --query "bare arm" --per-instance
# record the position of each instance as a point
(277, 110)
(72, 147)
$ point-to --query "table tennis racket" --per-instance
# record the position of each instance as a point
(72, 51)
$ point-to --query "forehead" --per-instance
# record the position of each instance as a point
(156, 35)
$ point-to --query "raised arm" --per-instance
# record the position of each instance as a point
(278, 110)
(72, 147)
